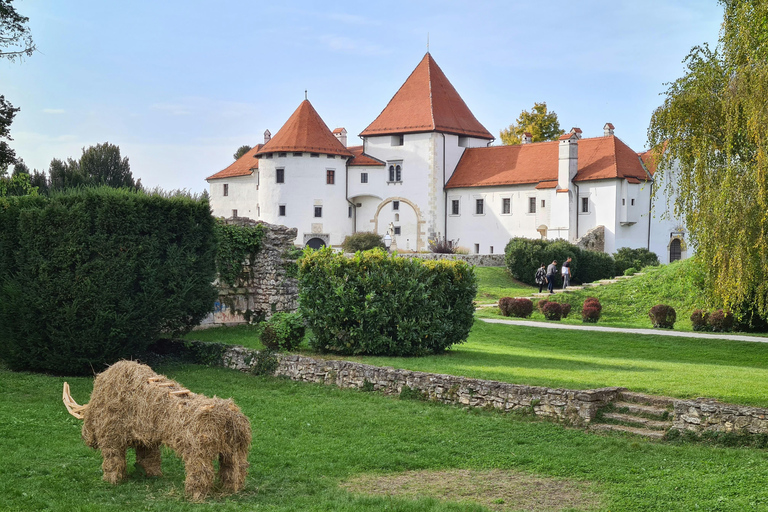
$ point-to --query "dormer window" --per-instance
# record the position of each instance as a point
(269, 155)
(398, 140)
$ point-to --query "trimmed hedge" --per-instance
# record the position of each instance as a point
(88, 277)
(517, 307)
(524, 256)
(663, 316)
(626, 258)
(377, 304)
(362, 241)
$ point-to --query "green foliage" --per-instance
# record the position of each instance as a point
(242, 150)
(237, 245)
(99, 165)
(630, 271)
(283, 331)
(362, 241)
(663, 316)
(517, 307)
(95, 275)
(699, 320)
(539, 122)
(494, 283)
(712, 149)
(634, 259)
(524, 256)
(552, 311)
(291, 257)
(409, 393)
(378, 304)
(266, 362)
(19, 184)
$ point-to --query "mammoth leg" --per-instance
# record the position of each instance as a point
(232, 469)
(148, 457)
(200, 476)
(114, 463)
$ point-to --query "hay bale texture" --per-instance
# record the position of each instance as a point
(133, 407)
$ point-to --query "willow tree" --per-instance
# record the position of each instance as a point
(711, 137)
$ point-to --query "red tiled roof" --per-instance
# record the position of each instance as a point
(547, 184)
(427, 102)
(305, 131)
(243, 166)
(649, 160)
(599, 158)
(361, 159)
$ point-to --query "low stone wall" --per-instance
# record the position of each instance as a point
(478, 260)
(574, 407)
(704, 415)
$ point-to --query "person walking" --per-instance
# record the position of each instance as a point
(541, 277)
(566, 271)
(551, 273)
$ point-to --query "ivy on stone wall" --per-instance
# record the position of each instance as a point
(237, 244)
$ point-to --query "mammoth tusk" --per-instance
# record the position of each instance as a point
(73, 407)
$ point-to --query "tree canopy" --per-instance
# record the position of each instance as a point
(101, 164)
(242, 150)
(539, 122)
(711, 136)
(15, 36)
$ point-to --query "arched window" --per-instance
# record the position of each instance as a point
(315, 243)
(395, 172)
(675, 250)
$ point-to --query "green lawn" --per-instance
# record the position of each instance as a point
(731, 371)
(494, 283)
(308, 439)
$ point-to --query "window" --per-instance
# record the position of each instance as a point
(531, 205)
(282, 154)
(397, 217)
(396, 205)
(331, 156)
(363, 177)
(584, 205)
(349, 212)
(314, 155)
(281, 210)
(623, 202)
(298, 154)
(506, 206)
(269, 155)
(256, 174)
(454, 207)
(491, 249)
(397, 230)
(226, 189)
(463, 141)
(398, 140)
(395, 172)
(280, 175)
(543, 203)
(330, 176)
(632, 202)
(477, 248)
(234, 214)
(478, 206)
(318, 211)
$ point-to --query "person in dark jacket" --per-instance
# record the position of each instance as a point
(541, 277)
(551, 273)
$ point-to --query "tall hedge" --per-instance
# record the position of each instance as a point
(377, 304)
(523, 257)
(91, 276)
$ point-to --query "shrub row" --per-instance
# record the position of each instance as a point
(524, 256)
(377, 304)
(517, 307)
(717, 321)
(91, 276)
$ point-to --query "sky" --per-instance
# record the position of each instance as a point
(180, 85)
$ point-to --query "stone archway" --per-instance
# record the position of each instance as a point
(676, 248)
(420, 234)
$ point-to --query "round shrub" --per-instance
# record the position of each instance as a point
(663, 316)
(591, 310)
(699, 319)
(566, 309)
(631, 271)
(517, 307)
(362, 241)
(540, 305)
(553, 311)
(380, 304)
(283, 331)
(721, 321)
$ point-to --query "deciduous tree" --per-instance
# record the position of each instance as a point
(711, 135)
(241, 151)
(541, 123)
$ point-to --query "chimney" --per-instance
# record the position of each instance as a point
(341, 135)
(576, 131)
(527, 138)
(568, 161)
(267, 136)
(607, 130)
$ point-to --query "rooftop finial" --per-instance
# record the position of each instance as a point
(305, 94)
(427, 42)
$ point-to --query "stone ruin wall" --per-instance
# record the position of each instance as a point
(265, 287)
(705, 415)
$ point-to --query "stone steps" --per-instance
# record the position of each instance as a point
(650, 411)
(638, 414)
(643, 432)
(643, 399)
(638, 420)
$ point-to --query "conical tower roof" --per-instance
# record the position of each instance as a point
(427, 102)
(305, 131)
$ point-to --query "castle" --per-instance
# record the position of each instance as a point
(427, 170)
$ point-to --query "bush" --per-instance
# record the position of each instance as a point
(524, 256)
(283, 331)
(626, 258)
(362, 241)
(540, 305)
(92, 276)
(721, 321)
(384, 305)
(591, 310)
(443, 246)
(699, 319)
(566, 309)
(631, 271)
(552, 311)
(520, 308)
(663, 316)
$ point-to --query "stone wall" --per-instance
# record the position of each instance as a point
(704, 415)
(478, 260)
(574, 407)
(264, 288)
(593, 240)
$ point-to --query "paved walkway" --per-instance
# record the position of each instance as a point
(654, 332)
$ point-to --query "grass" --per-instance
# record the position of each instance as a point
(311, 443)
(495, 283)
(731, 371)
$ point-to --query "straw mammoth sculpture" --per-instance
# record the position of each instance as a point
(133, 407)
